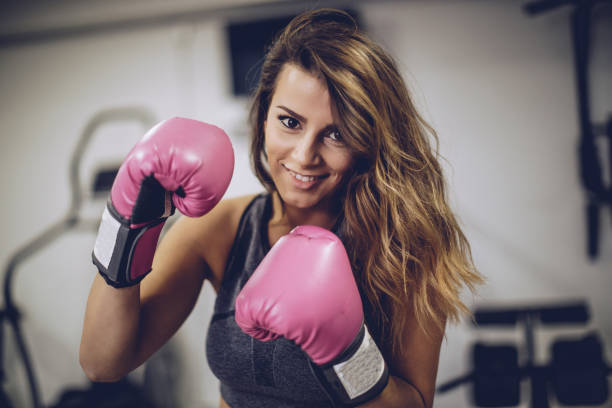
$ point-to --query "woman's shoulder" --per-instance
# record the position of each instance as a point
(227, 213)
(213, 234)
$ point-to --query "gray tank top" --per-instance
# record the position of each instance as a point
(255, 373)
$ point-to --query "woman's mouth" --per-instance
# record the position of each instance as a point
(304, 179)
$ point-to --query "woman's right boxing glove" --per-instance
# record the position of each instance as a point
(180, 163)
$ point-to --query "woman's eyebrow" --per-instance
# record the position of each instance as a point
(330, 127)
(292, 113)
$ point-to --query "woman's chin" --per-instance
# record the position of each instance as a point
(300, 200)
(299, 203)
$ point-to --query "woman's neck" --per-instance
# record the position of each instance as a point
(285, 215)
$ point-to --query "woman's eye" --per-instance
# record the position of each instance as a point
(289, 122)
(335, 136)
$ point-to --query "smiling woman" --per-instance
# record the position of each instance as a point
(333, 287)
(307, 158)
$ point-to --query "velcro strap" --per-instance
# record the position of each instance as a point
(123, 254)
(358, 375)
(107, 236)
(363, 370)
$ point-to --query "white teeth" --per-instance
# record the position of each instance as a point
(301, 177)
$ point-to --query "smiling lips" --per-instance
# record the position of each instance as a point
(303, 178)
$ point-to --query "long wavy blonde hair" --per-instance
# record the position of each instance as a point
(405, 244)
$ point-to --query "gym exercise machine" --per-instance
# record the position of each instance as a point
(10, 313)
(576, 374)
(597, 193)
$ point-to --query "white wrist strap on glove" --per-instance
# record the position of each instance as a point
(356, 376)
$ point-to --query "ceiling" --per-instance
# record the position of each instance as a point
(40, 20)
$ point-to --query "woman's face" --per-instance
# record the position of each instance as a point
(307, 157)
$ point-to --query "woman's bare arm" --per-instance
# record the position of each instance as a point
(412, 370)
(124, 327)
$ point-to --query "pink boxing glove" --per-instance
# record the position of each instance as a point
(304, 290)
(180, 163)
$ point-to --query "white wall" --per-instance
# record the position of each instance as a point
(498, 87)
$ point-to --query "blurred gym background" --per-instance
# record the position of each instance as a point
(520, 93)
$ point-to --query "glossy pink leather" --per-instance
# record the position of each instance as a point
(178, 152)
(303, 290)
(142, 258)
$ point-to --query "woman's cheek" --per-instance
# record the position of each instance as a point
(341, 160)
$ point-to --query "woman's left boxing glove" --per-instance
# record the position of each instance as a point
(180, 163)
(304, 290)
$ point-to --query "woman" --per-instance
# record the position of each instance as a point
(338, 143)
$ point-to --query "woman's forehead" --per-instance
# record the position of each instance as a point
(302, 92)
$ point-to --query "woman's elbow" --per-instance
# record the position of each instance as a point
(98, 370)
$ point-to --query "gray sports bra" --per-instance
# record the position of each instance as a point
(254, 373)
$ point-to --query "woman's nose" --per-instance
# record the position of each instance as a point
(305, 150)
